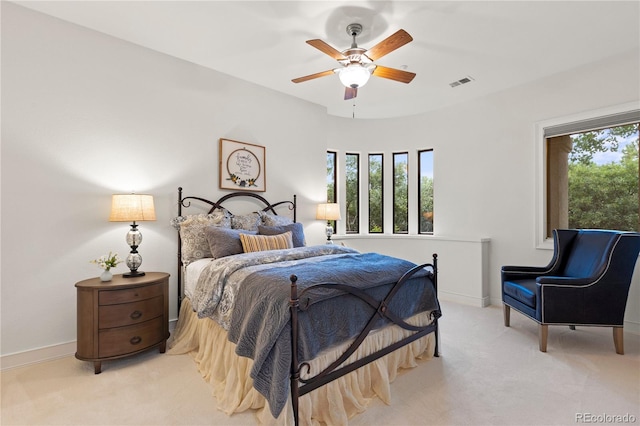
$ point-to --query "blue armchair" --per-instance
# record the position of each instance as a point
(586, 283)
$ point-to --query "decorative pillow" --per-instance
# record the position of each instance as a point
(252, 243)
(248, 222)
(224, 241)
(270, 219)
(297, 232)
(223, 216)
(194, 241)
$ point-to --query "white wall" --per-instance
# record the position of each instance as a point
(484, 162)
(85, 115)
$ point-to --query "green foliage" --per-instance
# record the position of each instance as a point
(401, 195)
(426, 204)
(586, 145)
(331, 173)
(353, 218)
(375, 194)
(604, 196)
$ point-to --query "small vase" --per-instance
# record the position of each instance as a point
(106, 276)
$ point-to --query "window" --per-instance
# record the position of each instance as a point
(593, 179)
(331, 177)
(352, 175)
(376, 194)
(425, 191)
(400, 193)
(591, 172)
(331, 180)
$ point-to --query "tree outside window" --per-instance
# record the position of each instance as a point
(376, 198)
(425, 200)
(352, 175)
(400, 193)
(593, 180)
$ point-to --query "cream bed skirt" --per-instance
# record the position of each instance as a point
(332, 404)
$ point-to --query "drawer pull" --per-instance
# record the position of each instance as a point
(135, 315)
(135, 340)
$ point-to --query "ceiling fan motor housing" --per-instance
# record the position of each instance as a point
(357, 63)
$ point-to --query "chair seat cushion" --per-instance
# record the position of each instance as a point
(522, 290)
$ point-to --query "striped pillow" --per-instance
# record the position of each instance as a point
(266, 242)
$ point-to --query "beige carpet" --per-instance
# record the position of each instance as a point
(487, 375)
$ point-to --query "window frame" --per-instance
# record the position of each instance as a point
(541, 178)
(334, 154)
(393, 184)
(420, 151)
(357, 200)
(381, 155)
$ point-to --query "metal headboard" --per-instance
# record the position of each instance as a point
(185, 202)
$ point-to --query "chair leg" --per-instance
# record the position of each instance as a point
(543, 333)
(618, 340)
(506, 310)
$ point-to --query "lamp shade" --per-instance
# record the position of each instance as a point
(132, 208)
(328, 211)
(354, 75)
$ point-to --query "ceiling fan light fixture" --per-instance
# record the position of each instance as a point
(354, 76)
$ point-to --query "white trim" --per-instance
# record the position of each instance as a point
(478, 302)
(49, 353)
(366, 236)
(540, 167)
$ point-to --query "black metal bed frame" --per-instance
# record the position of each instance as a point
(381, 310)
(185, 202)
(300, 385)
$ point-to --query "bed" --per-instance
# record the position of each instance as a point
(301, 334)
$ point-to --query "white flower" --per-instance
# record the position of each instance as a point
(107, 262)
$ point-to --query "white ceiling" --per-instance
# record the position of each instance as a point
(499, 44)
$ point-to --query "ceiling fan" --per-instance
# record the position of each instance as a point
(357, 63)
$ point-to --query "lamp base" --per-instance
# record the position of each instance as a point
(329, 233)
(133, 274)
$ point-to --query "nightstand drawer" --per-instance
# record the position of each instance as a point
(113, 297)
(130, 313)
(122, 317)
(124, 340)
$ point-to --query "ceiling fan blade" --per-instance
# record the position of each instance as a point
(325, 48)
(394, 74)
(312, 76)
(350, 93)
(388, 45)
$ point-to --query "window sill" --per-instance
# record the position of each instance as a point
(410, 236)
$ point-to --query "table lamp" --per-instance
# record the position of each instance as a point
(328, 212)
(132, 208)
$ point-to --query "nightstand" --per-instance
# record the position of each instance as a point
(122, 317)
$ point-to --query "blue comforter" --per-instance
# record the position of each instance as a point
(259, 323)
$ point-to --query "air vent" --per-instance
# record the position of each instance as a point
(462, 81)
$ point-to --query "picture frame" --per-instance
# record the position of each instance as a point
(242, 166)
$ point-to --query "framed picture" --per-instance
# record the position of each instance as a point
(242, 166)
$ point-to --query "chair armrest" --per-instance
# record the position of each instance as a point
(522, 272)
(566, 281)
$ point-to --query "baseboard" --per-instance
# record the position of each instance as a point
(34, 356)
(49, 353)
(632, 327)
(463, 299)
